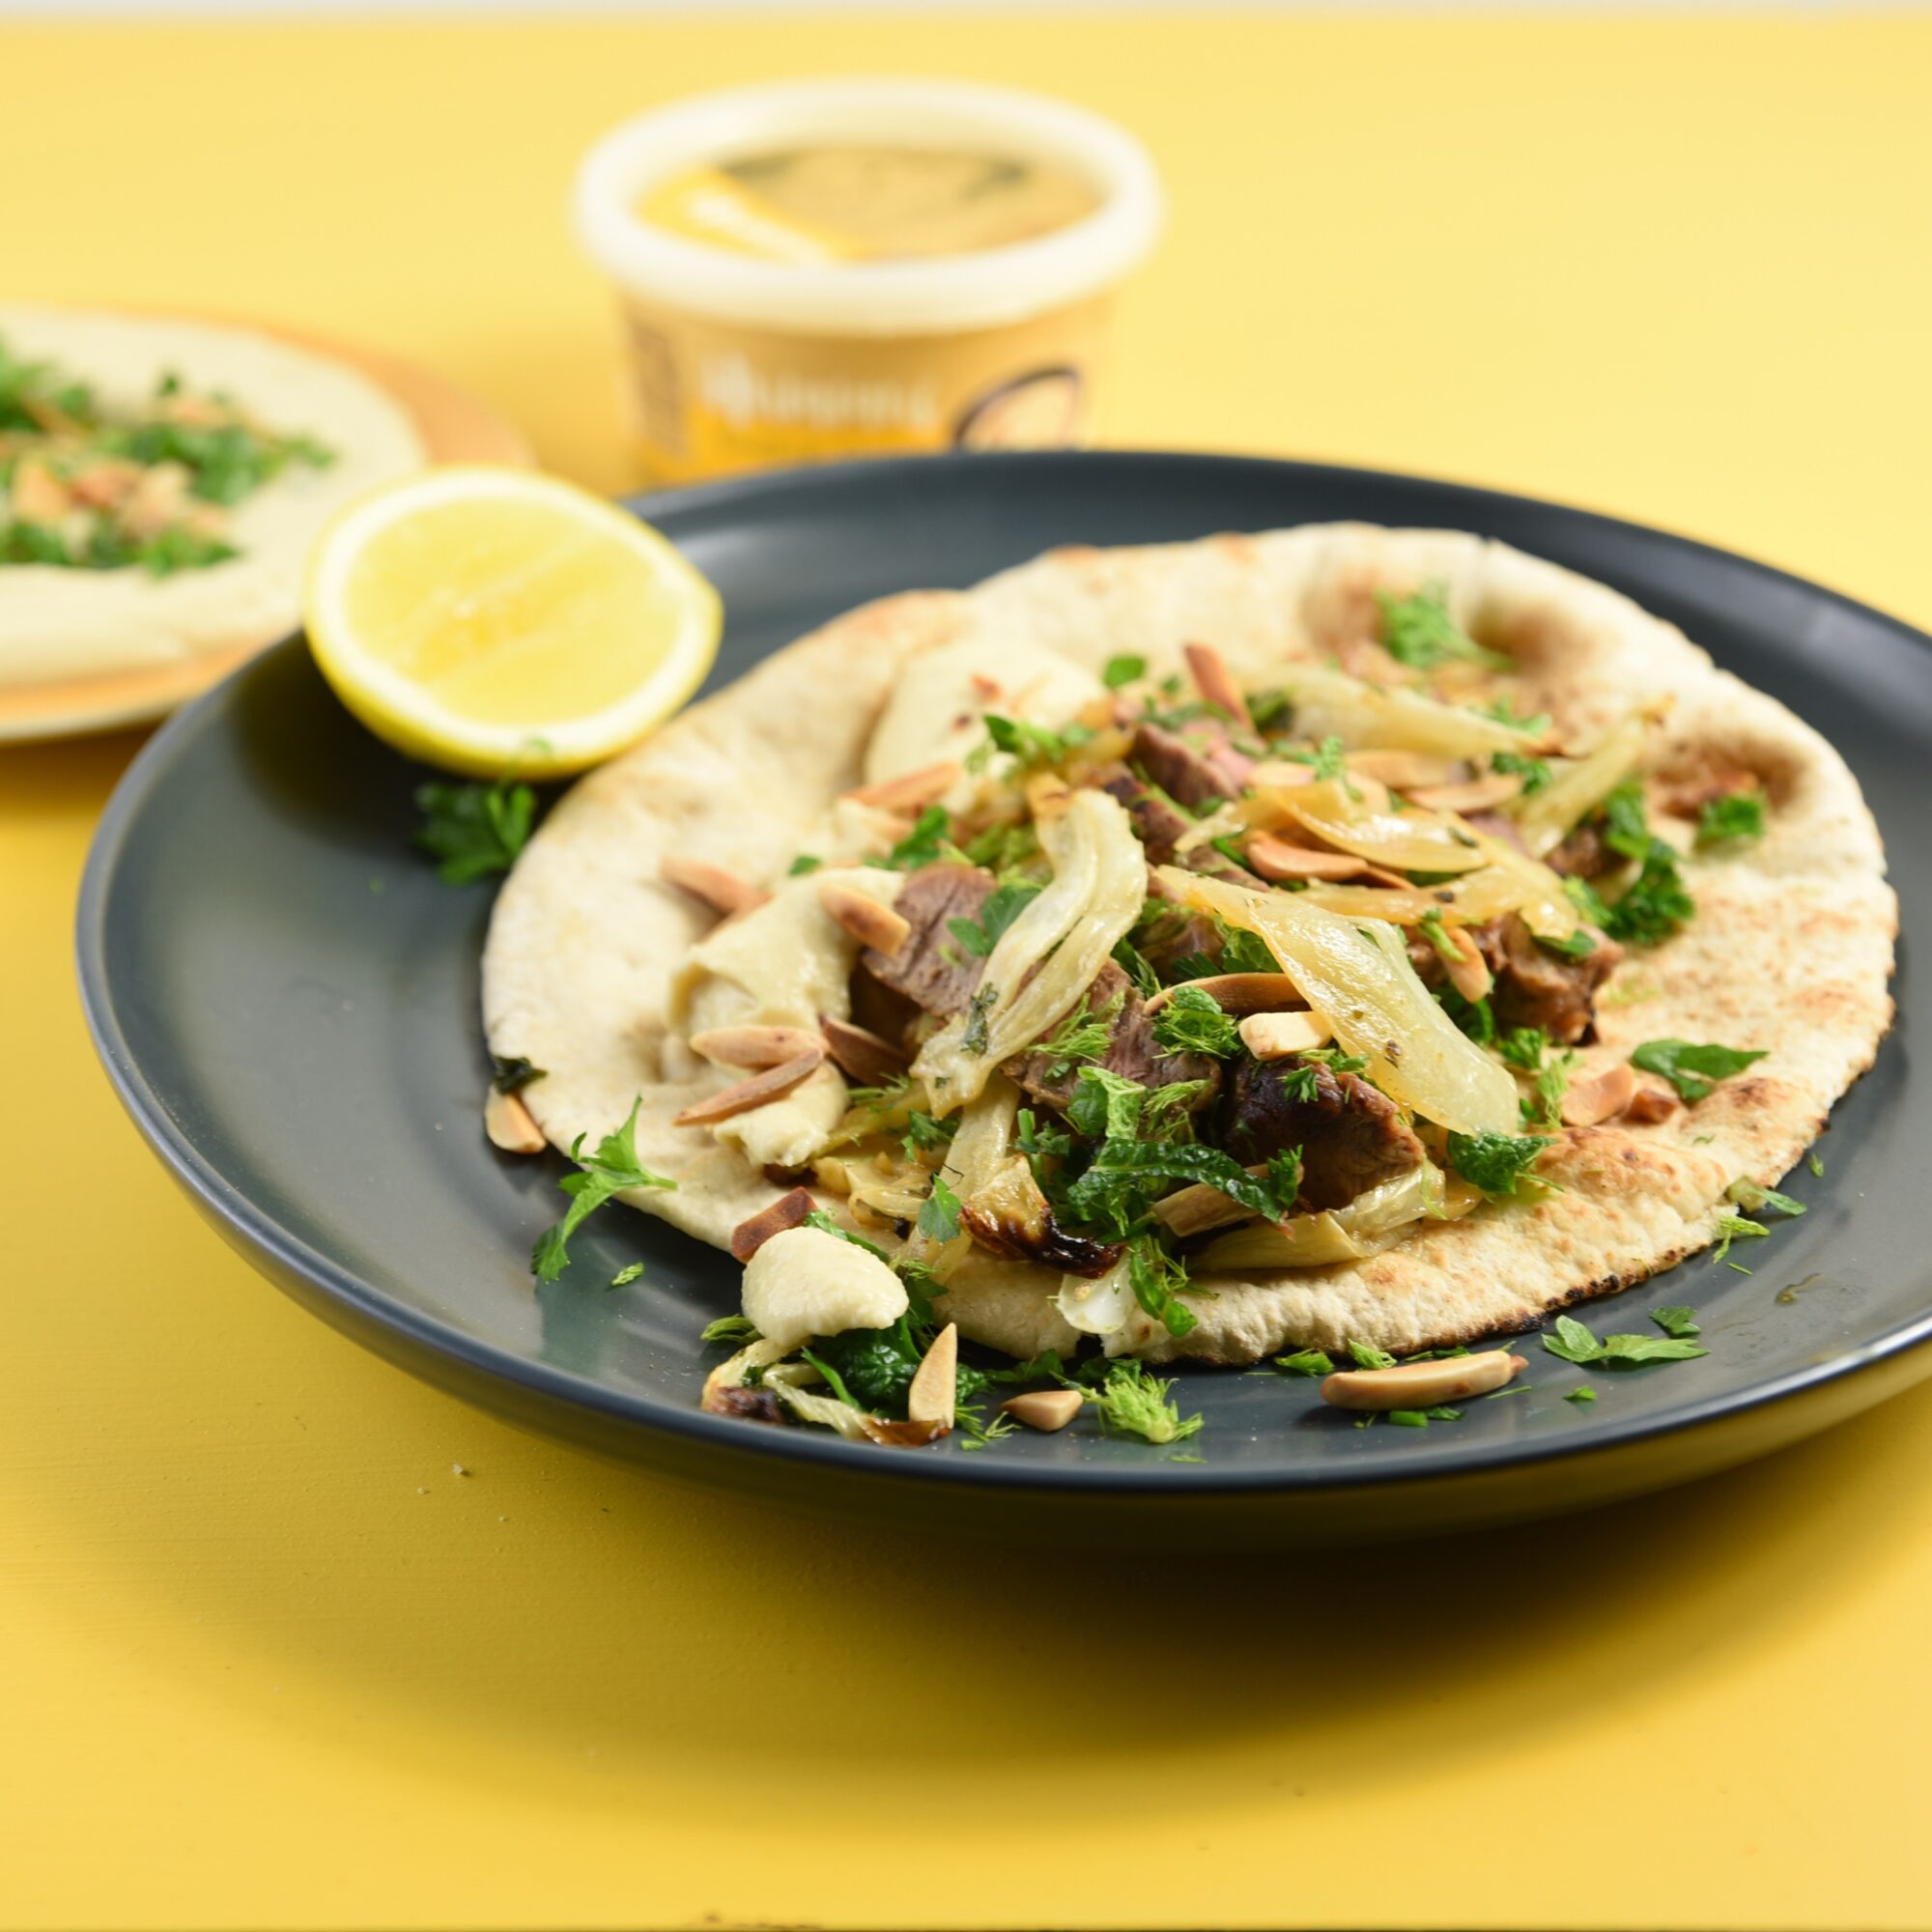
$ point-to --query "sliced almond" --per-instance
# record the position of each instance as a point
(1275, 858)
(911, 791)
(1482, 794)
(773, 1084)
(722, 891)
(869, 922)
(1603, 1096)
(753, 1046)
(1239, 992)
(788, 1211)
(1422, 1384)
(1276, 1036)
(1469, 972)
(1044, 1409)
(862, 1055)
(891, 1434)
(934, 1391)
(1404, 770)
(1215, 682)
(1654, 1101)
(508, 1123)
(37, 494)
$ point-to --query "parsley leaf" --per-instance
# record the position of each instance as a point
(1735, 816)
(1572, 1342)
(1654, 904)
(1524, 1046)
(1123, 670)
(922, 1133)
(939, 1217)
(1157, 1279)
(1083, 1035)
(1419, 632)
(729, 1328)
(1533, 771)
(1004, 904)
(1193, 1021)
(1677, 1322)
(925, 844)
(474, 830)
(1495, 1162)
(608, 1170)
(1133, 1403)
(512, 1075)
(803, 864)
(1629, 1350)
(1030, 744)
(1626, 827)
(1734, 1227)
(1692, 1070)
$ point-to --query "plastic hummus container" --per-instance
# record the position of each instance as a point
(758, 335)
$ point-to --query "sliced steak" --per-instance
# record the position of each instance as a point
(1132, 1053)
(1537, 987)
(1350, 1134)
(1584, 854)
(1206, 771)
(1159, 825)
(930, 968)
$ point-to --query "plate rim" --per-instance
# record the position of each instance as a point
(235, 1211)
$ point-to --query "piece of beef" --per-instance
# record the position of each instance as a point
(930, 968)
(1208, 771)
(1583, 854)
(1538, 988)
(1159, 826)
(1350, 1134)
(1132, 1053)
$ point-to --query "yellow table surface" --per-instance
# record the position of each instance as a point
(265, 1660)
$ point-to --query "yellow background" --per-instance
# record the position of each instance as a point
(266, 1661)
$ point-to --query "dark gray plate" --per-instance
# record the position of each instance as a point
(286, 1000)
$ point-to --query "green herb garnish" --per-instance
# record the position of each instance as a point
(1496, 1163)
(1734, 818)
(474, 830)
(1692, 1070)
(1418, 632)
(610, 1168)
(1193, 1021)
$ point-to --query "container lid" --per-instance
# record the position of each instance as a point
(979, 290)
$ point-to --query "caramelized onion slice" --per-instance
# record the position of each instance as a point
(1575, 791)
(1357, 974)
(1367, 715)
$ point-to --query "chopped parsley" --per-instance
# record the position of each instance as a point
(1581, 1394)
(1678, 1322)
(1123, 670)
(1084, 1034)
(804, 862)
(1692, 1070)
(1030, 744)
(924, 1134)
(1270, 708)
(978, 1035)
(729, 1328)
(1733, 1228)
(626, 1275)
(1157, 1279)
(1524, 1046)
(1432, 928)
(939, 1217)
(1545, 1106)
(512, 1075)
(1736, 817)
(474, 830)
(1754, 1199)
(1368, 1356)
(1495, 1162)
(1418, 632)
(1001, 849)
(609, 1169)
(1654, 904)
(1575, 1342)
(1533, 771)
(1193, 1021)
(1474, 1017)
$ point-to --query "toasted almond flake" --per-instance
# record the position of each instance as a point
(714, 886)
(1046, 1409)
(788, 1211)
(1404, 770)
(1047, 795)
(890, 1434)
(1239, 992)
(1276, 1036)
(1469, 974)
(508, 1123)
(909, 792)
(1654, 1101)
(753, 1046)
(1603, 1096)
(106, 482)
(935, 1390)
(862, 1055)
(37, 494)
(155, 500)
(1422, 1384)
(869, 922)
(773, 1084)
(1482, 794)
(1276, 858)
(1215, 683)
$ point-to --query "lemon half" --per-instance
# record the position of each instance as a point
(492, 620)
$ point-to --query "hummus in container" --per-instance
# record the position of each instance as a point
(851, 267)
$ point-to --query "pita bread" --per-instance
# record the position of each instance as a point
(1791, 951)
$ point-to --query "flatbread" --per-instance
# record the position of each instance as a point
(57, 624)
(1791, 951)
